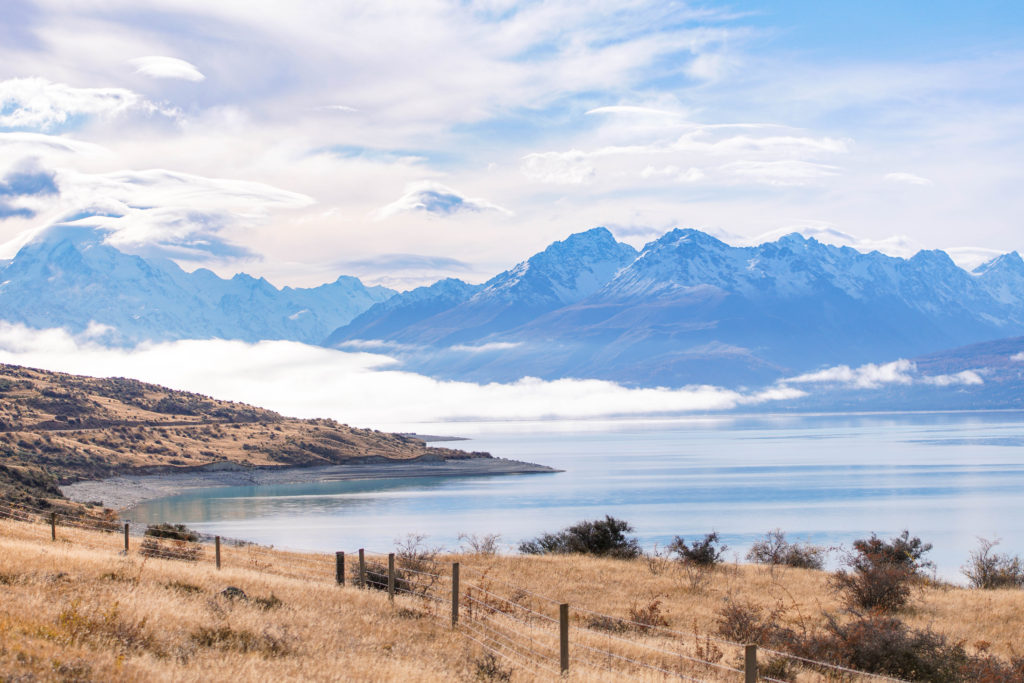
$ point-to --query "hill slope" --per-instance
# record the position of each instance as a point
(57, 428)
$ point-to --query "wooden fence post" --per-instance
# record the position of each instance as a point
(455, 594)
(563, 637)
(216, 549)
(126, 537)
(362, 568)
(750, 664)
(391, 576)
(339, 567)
(53, 526)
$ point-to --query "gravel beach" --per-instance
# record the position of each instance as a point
(130, 489)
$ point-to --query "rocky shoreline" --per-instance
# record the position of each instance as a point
(131, 489)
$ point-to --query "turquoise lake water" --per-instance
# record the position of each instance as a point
(948, 478)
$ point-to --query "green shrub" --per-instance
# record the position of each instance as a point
(605, 537)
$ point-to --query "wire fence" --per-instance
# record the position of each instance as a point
(514, 624)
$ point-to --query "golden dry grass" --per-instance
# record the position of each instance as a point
(76, 609)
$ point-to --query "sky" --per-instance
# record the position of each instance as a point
(406, 142)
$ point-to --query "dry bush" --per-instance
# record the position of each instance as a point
(490, 668)
(882, 572)
(602, 537)
(743, 621)
(171, 550)
(774, 549)
(704, 552)
(480, 544)
(241, 640)
(646, 617)
(989, 570)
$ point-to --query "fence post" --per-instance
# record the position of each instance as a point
(563, 637)
(455, 594)
(339, 567)
(362, 568)
(216, 549)
(126, 537)
(750, 664)
(391, 576)
(53, 526)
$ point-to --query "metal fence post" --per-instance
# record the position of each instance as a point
(53, 526)
(339, 567)
(750, 664)
(216, 548)
(126, 537)
(391, 576)
(362, 568)
(563, 637)
(455, 594)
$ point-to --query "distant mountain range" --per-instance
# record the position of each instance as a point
(686, 309)
(67, 277)
(689, 308)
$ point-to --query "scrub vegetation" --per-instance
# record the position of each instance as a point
(76, 609)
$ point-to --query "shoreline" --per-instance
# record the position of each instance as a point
(127, 490)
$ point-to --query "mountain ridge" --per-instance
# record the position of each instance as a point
(68, 277)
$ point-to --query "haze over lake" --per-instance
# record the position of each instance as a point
(948, 478)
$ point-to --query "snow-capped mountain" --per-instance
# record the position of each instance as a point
(686, 309)
(691, 309)
(402, 311)
(67, 277)
(564, 273)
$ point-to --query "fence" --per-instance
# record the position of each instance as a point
(525, 628)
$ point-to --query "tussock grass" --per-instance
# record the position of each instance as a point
(78, 610)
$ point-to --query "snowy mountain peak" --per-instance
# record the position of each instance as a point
(67, 276)
(567, 271)
(1004, 263)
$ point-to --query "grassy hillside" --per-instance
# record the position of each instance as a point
(56, 428)
(77, 609)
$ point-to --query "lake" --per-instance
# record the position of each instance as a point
(947, 477)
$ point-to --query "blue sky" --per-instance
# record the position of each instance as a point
(405, 142)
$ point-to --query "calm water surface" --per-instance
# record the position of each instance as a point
(949, 478)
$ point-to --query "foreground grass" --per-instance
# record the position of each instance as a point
(77, 610)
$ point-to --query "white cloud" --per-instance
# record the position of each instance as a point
(964, 378)
(908, 178)
(558, 168)
(634, 110)
(163, 209)
(786, 172)
(167, 67)
(41, 105)
(868, 376)
(485, 348)
(434, 198)
(874, 376)
(1019, 357)
(356, 388)
(475, 90)
(690, 175)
